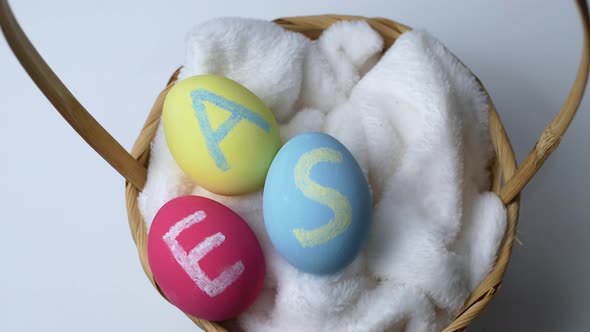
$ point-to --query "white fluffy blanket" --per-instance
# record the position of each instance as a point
(416, 121)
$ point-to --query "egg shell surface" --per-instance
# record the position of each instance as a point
(317, 204)
(205, 258)
(220, 134)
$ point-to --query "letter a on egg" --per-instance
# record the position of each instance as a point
(190, 261)
(214, 137)
(337, 202)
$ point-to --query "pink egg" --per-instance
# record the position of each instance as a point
(205, 258)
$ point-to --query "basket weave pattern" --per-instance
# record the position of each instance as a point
(507, 179)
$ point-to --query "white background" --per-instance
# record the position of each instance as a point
(67, 261)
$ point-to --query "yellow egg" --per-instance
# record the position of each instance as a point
(220, 134)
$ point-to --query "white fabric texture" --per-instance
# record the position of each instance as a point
(416, 121)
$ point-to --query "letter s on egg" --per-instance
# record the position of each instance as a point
(330, 197)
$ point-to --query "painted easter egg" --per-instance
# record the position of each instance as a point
(316, 204)
(205, 258)
(220, 134)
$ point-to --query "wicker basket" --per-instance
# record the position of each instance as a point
(507, 179)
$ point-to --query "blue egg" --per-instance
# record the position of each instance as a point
(317, 204)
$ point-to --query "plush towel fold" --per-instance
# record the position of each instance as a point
(416, 121)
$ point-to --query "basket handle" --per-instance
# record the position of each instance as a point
(69, 107)
(551, 136)
(101, 141)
